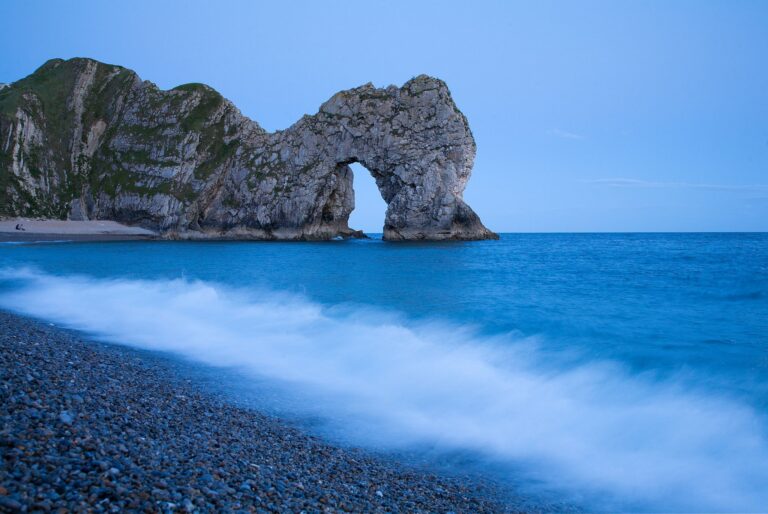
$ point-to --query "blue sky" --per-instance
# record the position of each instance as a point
(589, 116)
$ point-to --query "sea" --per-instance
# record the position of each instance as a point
(613, 372)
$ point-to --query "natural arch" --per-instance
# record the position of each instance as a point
(414, 142)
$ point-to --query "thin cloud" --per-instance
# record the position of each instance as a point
(564, 134)
(646, 184)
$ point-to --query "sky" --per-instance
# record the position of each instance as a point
(588, 115)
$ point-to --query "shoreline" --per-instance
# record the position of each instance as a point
(86, 423)
(27, 230)
(7, 237)
(40, 231)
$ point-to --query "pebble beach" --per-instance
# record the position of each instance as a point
(88, 426)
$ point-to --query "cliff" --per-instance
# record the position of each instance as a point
(80, 140)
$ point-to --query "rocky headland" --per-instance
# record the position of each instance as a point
(84, 140)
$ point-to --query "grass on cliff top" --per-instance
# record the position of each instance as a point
(51, 83)
(202, 113)
(47, 92)
(192, 87)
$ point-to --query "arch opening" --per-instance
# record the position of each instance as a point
(370, 208)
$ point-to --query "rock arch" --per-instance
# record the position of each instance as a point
(413, 140)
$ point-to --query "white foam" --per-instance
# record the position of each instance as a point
(594, 428)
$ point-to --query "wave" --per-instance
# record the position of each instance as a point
(596, 429)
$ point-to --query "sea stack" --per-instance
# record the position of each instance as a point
(80, 140)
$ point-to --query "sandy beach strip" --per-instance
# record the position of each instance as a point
(98, 427)
(56, 230)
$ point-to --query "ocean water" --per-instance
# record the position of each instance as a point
(614, 371)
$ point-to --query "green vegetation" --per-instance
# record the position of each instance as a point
(117, 179)
(186, 193)
(139, 157)
(52, 84)
(203, 112)
(218, 153)
(9, 101)
(230, 202)
(109, 87)
(45, 96)
(192, 87)
(5, 164)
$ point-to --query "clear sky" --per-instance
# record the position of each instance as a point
(588, 116)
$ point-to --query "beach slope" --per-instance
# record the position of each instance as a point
(86, 426)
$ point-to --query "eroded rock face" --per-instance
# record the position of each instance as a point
(84, 140)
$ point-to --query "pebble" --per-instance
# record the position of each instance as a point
(10, 504)
(66, 417)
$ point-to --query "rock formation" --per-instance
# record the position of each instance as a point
(81, 139)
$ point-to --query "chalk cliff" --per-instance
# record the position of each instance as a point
(80, 139)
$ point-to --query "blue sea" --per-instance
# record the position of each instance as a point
(611, 371)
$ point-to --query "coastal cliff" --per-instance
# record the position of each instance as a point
(82, 140)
